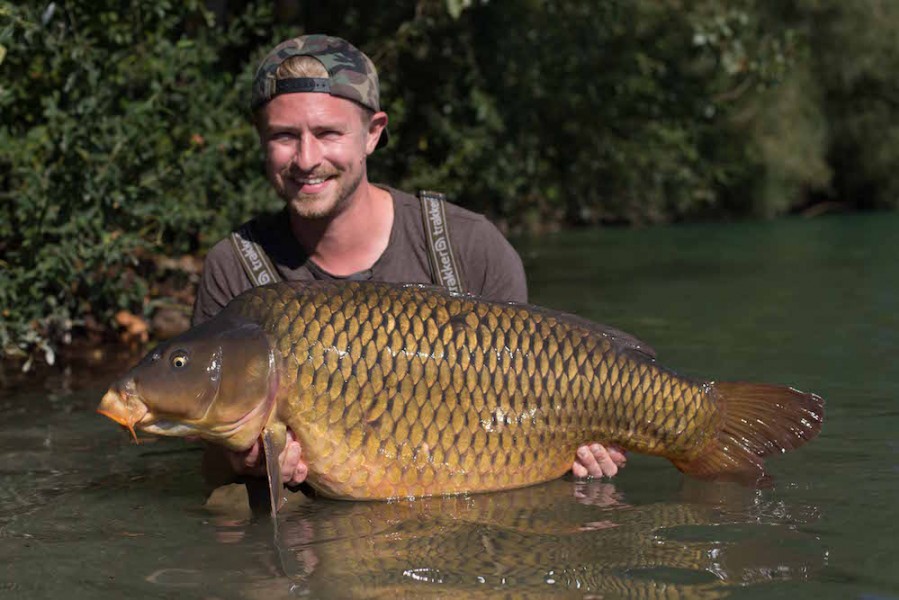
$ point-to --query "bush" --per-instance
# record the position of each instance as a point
(853, 58)
(125, 141)
(122, 136)
(579, 112)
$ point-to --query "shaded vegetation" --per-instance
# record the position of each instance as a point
(125, 141)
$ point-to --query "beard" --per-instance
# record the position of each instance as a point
(328, 204)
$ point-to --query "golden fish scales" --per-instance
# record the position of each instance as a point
(397, 391)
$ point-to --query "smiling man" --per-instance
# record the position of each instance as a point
(316, 106)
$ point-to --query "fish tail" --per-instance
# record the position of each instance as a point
(757, 420)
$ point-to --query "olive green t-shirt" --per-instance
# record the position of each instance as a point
(490, 266)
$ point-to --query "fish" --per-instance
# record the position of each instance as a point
(405, 391)
(557, 539)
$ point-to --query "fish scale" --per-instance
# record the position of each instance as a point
(398, 391)
(520, 390)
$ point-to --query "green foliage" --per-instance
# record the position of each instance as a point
(554, 111)
(124, 134)
(854, 57)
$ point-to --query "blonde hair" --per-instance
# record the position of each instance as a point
(301, 66)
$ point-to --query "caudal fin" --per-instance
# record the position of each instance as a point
(758, 420)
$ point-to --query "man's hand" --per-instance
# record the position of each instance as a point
(252, 462)
(594, 460)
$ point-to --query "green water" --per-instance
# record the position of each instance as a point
(810, 303)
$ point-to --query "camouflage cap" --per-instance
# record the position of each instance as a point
(351, 74)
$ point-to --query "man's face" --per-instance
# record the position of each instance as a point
(315, 150)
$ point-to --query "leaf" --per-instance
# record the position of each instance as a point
(47, 16)
(455, 7)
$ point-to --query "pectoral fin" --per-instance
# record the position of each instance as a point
(273, 440)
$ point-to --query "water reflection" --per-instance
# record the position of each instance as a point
(564, 537)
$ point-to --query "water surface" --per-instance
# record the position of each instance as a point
(811, 303)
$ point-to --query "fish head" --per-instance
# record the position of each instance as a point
(217, 381)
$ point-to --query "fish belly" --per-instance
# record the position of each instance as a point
(401, 391)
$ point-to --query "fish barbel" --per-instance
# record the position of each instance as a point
(408, 390)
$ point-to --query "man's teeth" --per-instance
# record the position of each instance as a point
(316, 181)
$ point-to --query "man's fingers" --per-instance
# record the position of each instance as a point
(587, 459)
(618, 455)
(289, 460)
(299, 474)
(607, 466)
(251, 458)
(293, 469)
(579, 470)
(594, 460)
(245, 462)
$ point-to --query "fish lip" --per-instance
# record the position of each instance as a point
(121, 405)
(163, 427)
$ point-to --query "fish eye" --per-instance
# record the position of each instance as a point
(179, 359)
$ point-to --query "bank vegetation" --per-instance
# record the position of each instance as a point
(126, 148)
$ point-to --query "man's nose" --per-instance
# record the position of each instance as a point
(308, 153)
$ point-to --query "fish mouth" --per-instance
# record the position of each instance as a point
(172, 429)
(123, 408)
(131, 413)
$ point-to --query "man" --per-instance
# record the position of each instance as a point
(316, 108)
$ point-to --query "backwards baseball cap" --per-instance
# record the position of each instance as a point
(351, 74)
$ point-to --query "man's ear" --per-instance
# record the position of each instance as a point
(376, 127)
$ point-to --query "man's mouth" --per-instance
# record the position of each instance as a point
(311, 185)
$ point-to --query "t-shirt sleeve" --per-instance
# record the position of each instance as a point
(491, 265)
(222, 280)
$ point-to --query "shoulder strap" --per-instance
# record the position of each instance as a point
(445, 269)
(253, 259)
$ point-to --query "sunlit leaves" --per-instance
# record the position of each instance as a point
(99, 165)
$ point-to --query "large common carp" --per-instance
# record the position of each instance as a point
(405, 390)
